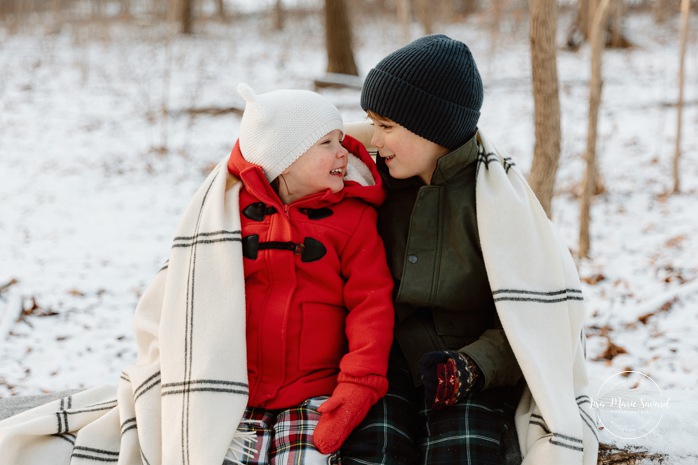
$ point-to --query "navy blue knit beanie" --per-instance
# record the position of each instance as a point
(430, 86)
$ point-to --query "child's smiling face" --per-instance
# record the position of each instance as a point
(321, 167)
(405, 153)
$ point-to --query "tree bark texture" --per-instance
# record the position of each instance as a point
(425, 10)
(279, 15)
(186, 16)
(683, 38)
(598, 28)
(404, 15)
(338, 37)
(546, 98)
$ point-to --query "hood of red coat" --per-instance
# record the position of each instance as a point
(256, 183)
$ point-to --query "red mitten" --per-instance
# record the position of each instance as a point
(346, 408)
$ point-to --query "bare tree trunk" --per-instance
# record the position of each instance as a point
(497, 9)
(403, 17)
(685, 9)
(186, 16)
(125, 8)
(659, 10)
(425, 7)
(162, 9)
(97, 11)
(580, 31)
(615, 26)
(597, 45)
(58, 16)
(591, 11)
(173, 9)
(220, 9)
(546, 153)
(470, 6)
(580, 26)
(338, 37)
(279, 15)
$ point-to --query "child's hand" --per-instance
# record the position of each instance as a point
(448, 377)
(341, 413)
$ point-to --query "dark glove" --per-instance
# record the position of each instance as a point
(448, 377)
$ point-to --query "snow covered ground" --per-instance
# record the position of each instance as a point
(100, 153)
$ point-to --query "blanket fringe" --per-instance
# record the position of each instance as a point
(243, 444)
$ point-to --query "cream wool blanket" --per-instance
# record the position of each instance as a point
(182, 400)
(539, 301)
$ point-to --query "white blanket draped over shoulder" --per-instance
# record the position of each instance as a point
(182, 400)
(539, 301)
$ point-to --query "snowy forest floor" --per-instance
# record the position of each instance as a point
(107, 129)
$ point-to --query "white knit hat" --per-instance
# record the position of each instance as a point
(278, 127)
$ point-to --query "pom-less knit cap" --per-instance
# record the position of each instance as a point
(278, 127)
(430, 86)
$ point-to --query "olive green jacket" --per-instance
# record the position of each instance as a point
(443, 299)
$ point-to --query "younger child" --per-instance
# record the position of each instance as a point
(318, 289)
(276, 294)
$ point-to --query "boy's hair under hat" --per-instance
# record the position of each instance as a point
(278, 127)
(430, 86)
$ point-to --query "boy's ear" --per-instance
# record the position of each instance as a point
(361, 131)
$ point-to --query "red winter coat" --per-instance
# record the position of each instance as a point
(313, 314)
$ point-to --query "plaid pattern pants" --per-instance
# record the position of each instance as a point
(282, 436)
(401, 430)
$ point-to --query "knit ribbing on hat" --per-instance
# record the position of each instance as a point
(431, 86)
(278, 127)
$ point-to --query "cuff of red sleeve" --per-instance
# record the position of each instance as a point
(376, 382)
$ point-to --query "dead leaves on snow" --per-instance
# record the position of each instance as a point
(644, 319)
(611, 349)
(609, 455)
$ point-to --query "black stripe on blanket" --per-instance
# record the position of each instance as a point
(63, 413)
(194, 241)
(586, 418)
(207, 238)
(66, 437)
(98, 455)
(146, 385)
(205, 385)
(567, 442)
(491, 157)
(520, 295)
(128, 425)
(558, 439)
(539, 421)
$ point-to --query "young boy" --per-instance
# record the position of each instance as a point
(485, 292)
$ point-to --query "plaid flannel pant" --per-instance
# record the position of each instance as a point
(283, 436)
(401, 430)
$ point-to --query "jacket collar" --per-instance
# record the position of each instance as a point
(453, 165)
